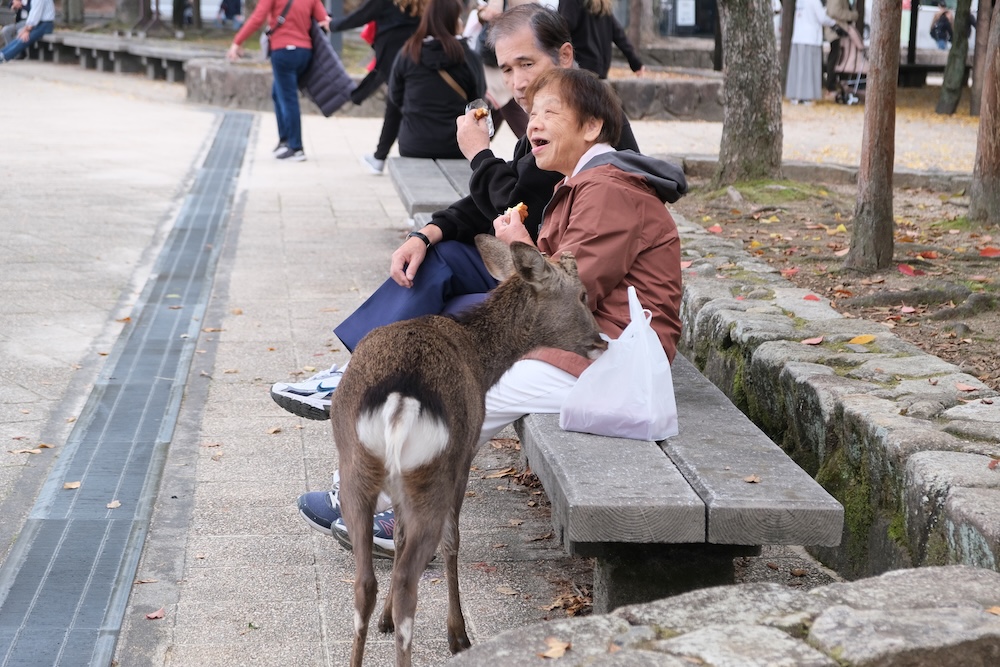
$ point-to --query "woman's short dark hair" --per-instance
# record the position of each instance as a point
(439, 20)
(549, 28)
(586, 95)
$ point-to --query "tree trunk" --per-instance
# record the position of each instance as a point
(984, 193)
(634, 28)
(751, 124)
(131, 11)
(871, 238)
(955, 78)
(984, 17)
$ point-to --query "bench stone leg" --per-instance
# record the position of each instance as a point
(635, 573)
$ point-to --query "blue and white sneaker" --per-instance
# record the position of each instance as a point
(382, 544)
(320, 509)
(310, 398)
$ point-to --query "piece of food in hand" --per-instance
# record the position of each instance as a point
(521, 208)
(480, 113)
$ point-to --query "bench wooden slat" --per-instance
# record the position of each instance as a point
(421, 185)
(458, 173)
(618, 490)
(718, 447)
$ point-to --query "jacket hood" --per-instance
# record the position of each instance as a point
(665, 178)
(432, 55)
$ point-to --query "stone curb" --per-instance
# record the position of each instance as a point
(247, 85)
(922, 617)
(901, 438)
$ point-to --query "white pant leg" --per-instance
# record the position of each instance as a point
(529, 386)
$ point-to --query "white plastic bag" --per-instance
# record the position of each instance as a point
(629, 391)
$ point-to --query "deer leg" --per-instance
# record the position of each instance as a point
(357, 503)
(385, 624)
(412, 556)
(458, 639)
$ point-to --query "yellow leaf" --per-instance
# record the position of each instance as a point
(862, 340)
(706, 218)
(71, 485)
(773, 218)
(557, 648)
(994, 610)
(114, 504)
(755, 244)
(841, 229)
(273, 430)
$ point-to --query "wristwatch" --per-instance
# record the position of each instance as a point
(421, 236)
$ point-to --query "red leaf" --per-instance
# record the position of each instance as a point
(992, 465)
(159, 613)
(686, 264)
(811, 297)
(989, 251)
(927, 254)
(788, 273)
(965, 387)
(908, 270)
(715, 229)
(813, 341)
(907, 309)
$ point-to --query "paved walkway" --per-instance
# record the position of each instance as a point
(97, 170)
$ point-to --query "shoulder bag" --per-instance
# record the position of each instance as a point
(265, 37)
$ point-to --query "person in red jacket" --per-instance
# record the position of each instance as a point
(291, 51)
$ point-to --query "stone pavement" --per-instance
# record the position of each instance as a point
(97, 169)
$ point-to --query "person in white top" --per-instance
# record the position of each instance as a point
(41, 21)
(805, 62)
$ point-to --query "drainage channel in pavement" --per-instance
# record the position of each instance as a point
(65, 585)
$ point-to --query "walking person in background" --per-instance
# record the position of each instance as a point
(594, 28)
(434, 77)
(841, 12)
(942, 29)
(39, 22)
(395, 22)
(291, 51)
(805, 63)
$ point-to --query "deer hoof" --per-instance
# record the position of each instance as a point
(459, 643)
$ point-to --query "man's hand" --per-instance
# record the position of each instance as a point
(16, 5)
(509, 228)
(406, 260)
(24, 34)
(473, 135)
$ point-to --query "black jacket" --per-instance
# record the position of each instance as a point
(496, 185)
(592, 37)
(429, 104)
(393, 27)
(325, 81)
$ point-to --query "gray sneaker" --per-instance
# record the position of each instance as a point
(373, 163)
(311, 398)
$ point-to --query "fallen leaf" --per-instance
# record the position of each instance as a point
(908, 270)
(114, 504)
(506, 472)
(907, 309)
(714, 229)
(515, 522)
(965, 387)
(773, 566)
(212, 329)
(686, 264)
(813, 341)
(71, 485)
(124, 319)
(159, 613)
(842, 252)
(989, 251)
(799, 572)
(25, 451)
(752, 479)
(994, 610)
(992, 465)
(841, 229)
(933, 382)
(810, 297)
(557, 648)
(174, 307)
(507, 590)
(236, 311)
(862, 340)
(273, 430)
(146, 581)
(927, 254)
(788, 273)
(230, 371)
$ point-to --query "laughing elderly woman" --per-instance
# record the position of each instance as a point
(609, 212)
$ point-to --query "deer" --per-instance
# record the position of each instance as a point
(407, 417)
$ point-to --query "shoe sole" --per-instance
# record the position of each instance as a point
(299, 408)
(315, 526)
(377, 550)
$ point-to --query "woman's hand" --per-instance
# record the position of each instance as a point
(234, 53)
(509, 228)
(325, 24)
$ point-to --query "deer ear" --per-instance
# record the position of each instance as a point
(568, 264)
(530, 264)
(496, 256)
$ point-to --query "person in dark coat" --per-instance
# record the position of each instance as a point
(395, 21)
(593, 29)
(433, 79)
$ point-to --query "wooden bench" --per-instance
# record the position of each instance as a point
(119, 54)
(425, 186)
(670, 517)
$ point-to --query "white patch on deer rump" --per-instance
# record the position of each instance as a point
(399, 436)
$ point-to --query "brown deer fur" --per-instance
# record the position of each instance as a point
(407, 417)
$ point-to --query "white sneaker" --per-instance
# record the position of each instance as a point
(374, 164)
(310, 398)
(289, 155)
